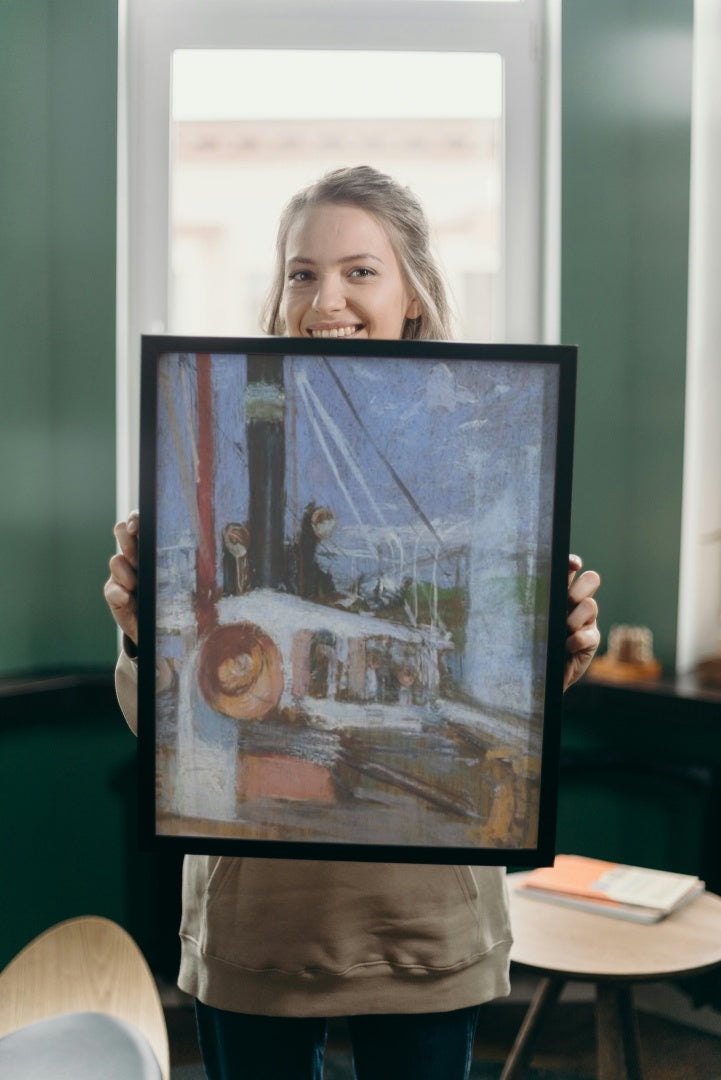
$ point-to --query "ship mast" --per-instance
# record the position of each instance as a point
(265, 417)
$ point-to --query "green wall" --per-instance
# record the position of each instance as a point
(626, 145)
(67, 771)
(58, 72)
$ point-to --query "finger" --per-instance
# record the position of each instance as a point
(585, 585)
(126, 534)
(584, 613)
(123, 572)
(575, 563)
(586, 640)
(123, 608)
(118, 598)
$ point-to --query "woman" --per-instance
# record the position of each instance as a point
(271, 948)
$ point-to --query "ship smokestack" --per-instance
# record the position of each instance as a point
(265, 431)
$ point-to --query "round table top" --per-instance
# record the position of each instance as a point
(559, 940)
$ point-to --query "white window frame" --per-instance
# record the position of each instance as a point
(526, 34)
(699, 597)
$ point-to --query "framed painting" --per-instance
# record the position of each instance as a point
(352, 597)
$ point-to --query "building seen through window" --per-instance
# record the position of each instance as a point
(234, 169)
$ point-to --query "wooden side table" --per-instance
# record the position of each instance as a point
(563, 944)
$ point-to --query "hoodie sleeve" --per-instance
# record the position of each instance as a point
(126, 688)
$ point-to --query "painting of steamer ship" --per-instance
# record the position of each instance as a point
(352, 636)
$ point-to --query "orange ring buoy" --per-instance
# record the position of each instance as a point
(240, 671)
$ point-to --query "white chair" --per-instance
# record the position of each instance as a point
(80, 1002)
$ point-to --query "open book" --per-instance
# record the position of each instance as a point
(608, 888)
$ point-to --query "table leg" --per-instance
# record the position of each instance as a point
(545, 997)
(617, 1033)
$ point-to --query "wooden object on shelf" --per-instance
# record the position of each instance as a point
(709, 671)
(629, 657)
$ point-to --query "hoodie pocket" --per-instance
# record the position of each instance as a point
(468, 884)
(298, 916)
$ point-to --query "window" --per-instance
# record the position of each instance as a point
(699, 624)
(237, 156)
(229, 106)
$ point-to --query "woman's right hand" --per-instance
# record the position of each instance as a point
(121, 587)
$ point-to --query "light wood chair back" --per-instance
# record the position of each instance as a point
(87, 964)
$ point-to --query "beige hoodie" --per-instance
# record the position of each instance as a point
(286, 937)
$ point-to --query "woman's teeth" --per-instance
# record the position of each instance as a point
(336, 332)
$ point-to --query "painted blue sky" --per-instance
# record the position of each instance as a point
(419, 450)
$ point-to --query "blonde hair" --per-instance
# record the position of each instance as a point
(403, 217)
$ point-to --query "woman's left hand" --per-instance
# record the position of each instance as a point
(583, 635)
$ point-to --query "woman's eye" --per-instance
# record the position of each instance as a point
(362, 272)
(300, 276)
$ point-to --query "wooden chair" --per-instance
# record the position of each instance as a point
(77, 976)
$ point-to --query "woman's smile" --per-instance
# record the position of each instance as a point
(335, 331)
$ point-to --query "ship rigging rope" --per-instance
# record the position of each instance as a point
(311, 401)
(309, 396)
(359, 420)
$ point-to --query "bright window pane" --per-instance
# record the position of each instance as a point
(453, 1)
(252, 127)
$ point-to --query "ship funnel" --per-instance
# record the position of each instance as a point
(265, 431)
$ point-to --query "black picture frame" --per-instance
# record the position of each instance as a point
(353, 572)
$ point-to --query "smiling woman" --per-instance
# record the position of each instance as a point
(378, 941)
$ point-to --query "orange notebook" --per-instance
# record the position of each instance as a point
(630, 892)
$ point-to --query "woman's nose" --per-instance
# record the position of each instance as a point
(329, 296)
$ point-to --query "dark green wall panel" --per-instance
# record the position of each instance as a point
(58, 77)
(626, 145)
(25, 393)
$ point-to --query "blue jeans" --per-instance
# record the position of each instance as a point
(416, 1046)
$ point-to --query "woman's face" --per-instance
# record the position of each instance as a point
(342, 277)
